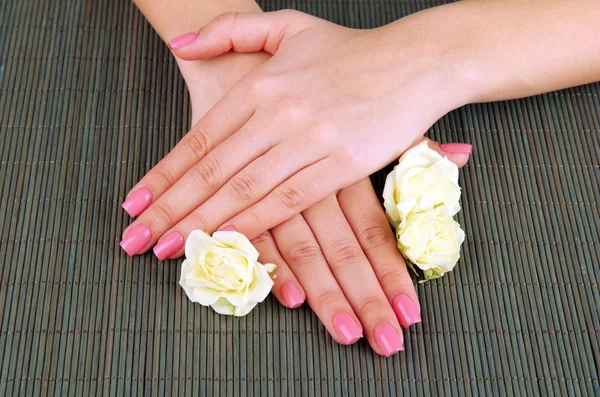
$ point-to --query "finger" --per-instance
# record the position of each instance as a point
(301, 251)
(225, 118)
(250, 185)
(240, 32)
(378, 242)
(286, 287)
(303, 189)
(200, 183)
(458, 153)
(355, 275)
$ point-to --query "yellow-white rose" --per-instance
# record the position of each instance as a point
(223, 272)
(422, 177)
(431, 240)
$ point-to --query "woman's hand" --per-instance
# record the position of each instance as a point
(329, 108)
(341, 254)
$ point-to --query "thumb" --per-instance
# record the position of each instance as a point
(458, 153)
(240, 32)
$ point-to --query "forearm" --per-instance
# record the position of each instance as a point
(505, 49)
(171, 18)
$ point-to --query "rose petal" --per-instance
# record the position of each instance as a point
(388, 199)
(238, 241)
(197, 243)
(237, 298)
(261, 287)
(243, 310)
(222, 306)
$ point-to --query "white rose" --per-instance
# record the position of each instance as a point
(223, 272)
(421, 175)
(431, 240)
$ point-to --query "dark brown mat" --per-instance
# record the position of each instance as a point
(90, 99)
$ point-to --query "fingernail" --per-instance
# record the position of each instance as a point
(457, 147)
(183, 40)
(406, 310)
(137, 201)
(228, 229)
(136, 239)
(291, 296)
(347, 328)
(388, 339)
(168, 246)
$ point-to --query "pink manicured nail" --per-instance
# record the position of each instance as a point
(346, 327)
(406, 310)
(136, 239)
(388, 339)
(228, 229)
(137, 201)
(168, 246)
(457, 147)
(183, 40)
(291, 296)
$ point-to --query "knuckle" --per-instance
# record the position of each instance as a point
(163, 212)
(199, 220)
(254, 218)
(206, 174)
(258, 85)
(287, 12)
(293, 15)
(165, 174)
(292, 198)
(370, 304)
(242, 187)
(289, 109)
(345, 255)
(376, 236)
(226, 17)
(323, 134)
(263, 238)
(198, 144)
(328, 297)
(349, 157)
(304, 252)
(392, 278)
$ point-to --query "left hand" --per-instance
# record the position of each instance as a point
(332, 106)
(342, 254)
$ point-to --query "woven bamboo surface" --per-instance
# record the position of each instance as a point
(90, 99)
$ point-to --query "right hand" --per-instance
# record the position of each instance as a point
(331, 106)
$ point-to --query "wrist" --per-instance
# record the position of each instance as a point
(445, 53)
(208, 81)
(172, 18)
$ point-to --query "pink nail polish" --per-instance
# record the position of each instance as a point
(169, 245)
(136, 239)
(457, 147)
(406, 310)
(228, 229)
(347, 328)
(183, 40)
(137, 201)
(388, 339)
(291, 296)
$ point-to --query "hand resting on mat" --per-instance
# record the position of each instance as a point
(340, 255)
(333, 104)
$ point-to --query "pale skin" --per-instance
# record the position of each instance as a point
(326, 249)
(332, 111)
(334, 105)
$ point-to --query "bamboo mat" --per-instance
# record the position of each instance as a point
(90, 99)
